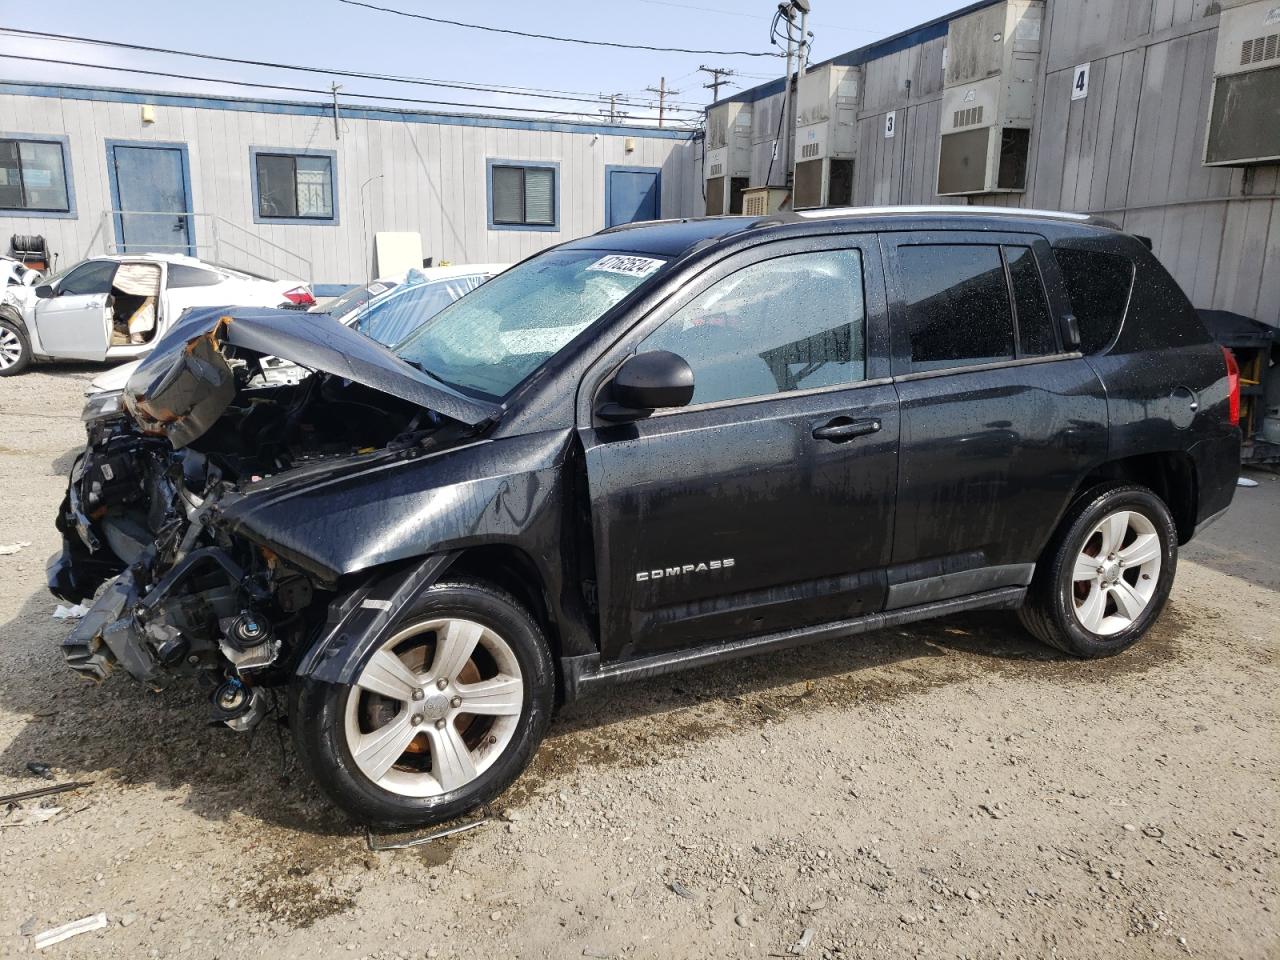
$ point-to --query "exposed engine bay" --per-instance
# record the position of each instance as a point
(147, 499)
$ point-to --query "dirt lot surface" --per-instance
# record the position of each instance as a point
(953, 790)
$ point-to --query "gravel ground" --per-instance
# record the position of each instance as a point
(952, 790)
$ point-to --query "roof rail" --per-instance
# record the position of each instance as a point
(947, 209)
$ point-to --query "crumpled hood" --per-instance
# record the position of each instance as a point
(185, 384)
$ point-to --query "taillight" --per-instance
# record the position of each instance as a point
(300, 296)
(1233, 386)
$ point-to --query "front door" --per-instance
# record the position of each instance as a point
(768, 502)
(150, 191)
(75, 323)
(631, 194)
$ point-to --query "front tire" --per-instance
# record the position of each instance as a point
(15, 348)
(442, 717)
(1105, 577)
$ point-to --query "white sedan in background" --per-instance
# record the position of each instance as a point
(115, 307)
(386, 310)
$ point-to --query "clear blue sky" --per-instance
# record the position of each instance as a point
(327, 33)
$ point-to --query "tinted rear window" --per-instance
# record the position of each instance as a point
(1098, 285)
(957, 305)
(181, 275)
(1035, 328)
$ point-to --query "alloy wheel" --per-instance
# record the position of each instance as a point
(10, 348)
(1116, 573)
(434, 707)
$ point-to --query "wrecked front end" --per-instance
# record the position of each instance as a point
(188, 592)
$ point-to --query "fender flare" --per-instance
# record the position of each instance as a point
(361, 620)
(11, 313)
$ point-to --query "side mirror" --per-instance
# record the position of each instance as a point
(1071, 332)
(45, 291)
(646, 382)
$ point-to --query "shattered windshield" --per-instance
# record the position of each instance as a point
(493, 338)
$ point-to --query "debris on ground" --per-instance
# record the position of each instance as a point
(800, 946)
(680, 890)
(69, 930)
(44, 791)
(8, 549)
(29, 816)
(40, 769)
(1240, 482)
(63, 612)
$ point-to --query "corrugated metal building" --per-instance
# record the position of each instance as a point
(1128, 141)
(269, 182)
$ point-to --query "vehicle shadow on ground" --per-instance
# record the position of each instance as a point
(120, 733)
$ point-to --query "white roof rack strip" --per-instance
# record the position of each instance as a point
(946, 209)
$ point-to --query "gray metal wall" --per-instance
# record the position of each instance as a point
(416, 176)
(1129, 151)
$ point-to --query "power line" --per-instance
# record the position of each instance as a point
(291, 89)
(547, 36)
(532, 92)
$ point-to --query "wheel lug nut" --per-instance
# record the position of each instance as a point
(418, 694)
(440, 724)
(441, 683)
(455, 702)
(416, 720)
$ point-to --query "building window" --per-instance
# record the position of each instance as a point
(294, 187)
(524, 196)
(33, 175)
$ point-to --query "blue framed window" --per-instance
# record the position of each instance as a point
(35, 175)
(524, 195)
(294, 186)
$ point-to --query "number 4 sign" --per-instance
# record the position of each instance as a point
(1080, 82)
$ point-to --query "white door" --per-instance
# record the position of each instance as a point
(75, 323)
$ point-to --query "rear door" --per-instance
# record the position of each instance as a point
(767, 503)
(76, 322)
(999, 422)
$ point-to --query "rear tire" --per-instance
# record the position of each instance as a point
(15, 348)
(443, 716)
(1106, 575)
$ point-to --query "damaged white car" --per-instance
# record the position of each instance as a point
(115, 307)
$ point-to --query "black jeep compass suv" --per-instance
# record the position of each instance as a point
(648, 449)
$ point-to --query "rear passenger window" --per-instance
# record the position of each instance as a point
(792, 323)
(182, 275)
(1035, 328)
(957, 305)
(1098, 285)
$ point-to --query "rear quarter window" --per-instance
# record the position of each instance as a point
(1099, 285)
(182, 275)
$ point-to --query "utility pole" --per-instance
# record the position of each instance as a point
(802, 57)
(334, 88)
(662, 93)
(717, 73)
(613, 112)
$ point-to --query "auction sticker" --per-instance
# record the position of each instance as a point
(627, 266)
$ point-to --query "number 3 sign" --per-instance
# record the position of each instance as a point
(1080, 82)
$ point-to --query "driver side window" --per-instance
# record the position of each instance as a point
(88, 279)
(796, 322)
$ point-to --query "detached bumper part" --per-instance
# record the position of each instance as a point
(99, 642)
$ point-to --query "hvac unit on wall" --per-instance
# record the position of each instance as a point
(826, 141)
(989, 99)
(728, 160)
(1244, 111)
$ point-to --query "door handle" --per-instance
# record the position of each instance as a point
(844, 429)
